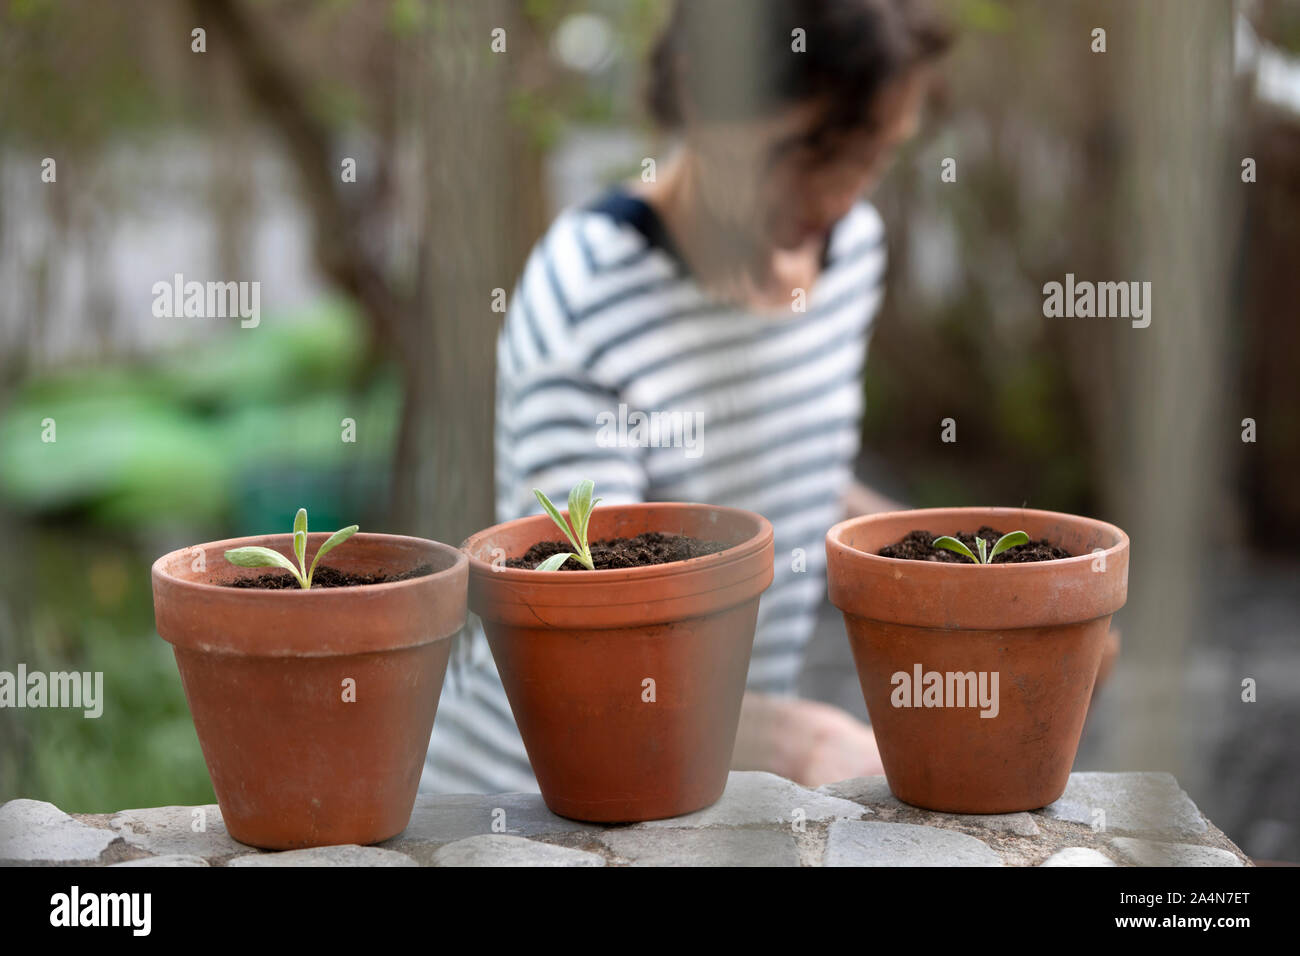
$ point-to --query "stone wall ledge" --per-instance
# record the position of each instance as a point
(1102, 819)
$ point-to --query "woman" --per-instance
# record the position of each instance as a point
(737, 287)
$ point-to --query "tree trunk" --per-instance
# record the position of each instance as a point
(480, 176)
(1185, 193)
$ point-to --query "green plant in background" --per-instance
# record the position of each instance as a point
(580, 508)
(257, 557)
(143, 751)
(1013, 540)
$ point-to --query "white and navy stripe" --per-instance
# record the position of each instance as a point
(605, 313)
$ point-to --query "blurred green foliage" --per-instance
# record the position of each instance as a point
(224, 439)
(88, 607)
(177, 439)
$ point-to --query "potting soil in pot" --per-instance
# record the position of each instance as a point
(653, 547)
(325, 577)
(917, 546)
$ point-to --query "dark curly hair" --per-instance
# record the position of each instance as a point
(736, 59)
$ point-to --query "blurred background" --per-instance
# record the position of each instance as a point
(376, 294)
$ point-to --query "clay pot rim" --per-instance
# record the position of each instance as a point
(835, 538)
(741, 551)
(285, 541)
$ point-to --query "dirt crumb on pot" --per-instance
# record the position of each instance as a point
(653, 547)
(326, 577)
(916, 546)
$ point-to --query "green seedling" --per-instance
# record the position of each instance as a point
(1013, 540)
(266, 558)
(580, 508)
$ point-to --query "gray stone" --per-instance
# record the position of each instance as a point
(1019, 824)
(849, 823)
(498, 849)
(346, 854)
(171, 859)
(32, 830)
(440, 818)
(868, 843)
(1147, 853)
(1132, 802)
(1078, 856)
(716, 846)
(868, 791)
(169, 831)
(755, 797)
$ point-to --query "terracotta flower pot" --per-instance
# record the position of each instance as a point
(1036, 629)
(577, 652)
(267, 674)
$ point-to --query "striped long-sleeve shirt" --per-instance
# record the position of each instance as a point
(754, 412)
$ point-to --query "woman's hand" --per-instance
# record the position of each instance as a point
(805, 741)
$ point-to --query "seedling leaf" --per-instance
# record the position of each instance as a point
(1008, 541)
(949, 543)
(554, 562)
(255, 557)
(300, 539)
(580, 508)
(580, 502)
(557, 518)
(984, 549)
(332, 542)
(586, 520)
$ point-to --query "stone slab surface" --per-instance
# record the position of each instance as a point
(1129, 802)
(32, 830)
(172, 859)
(753, 797)
(1149, 853)
(712, 846)
(177, 831)
(1102, 819)
(871, 792)
(868, 843)
(1078, 856)
(446, 818)
(500, 849)
(343, 855)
